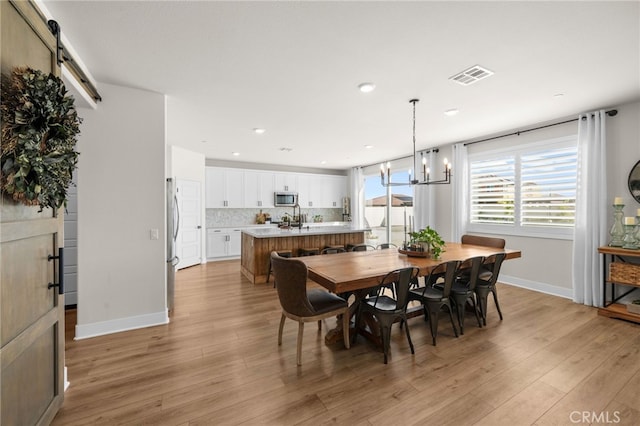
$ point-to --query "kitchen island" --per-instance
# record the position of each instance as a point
(258, 243)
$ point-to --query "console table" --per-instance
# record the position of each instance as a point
(621, 270)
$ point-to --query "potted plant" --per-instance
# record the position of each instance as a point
(429, 239)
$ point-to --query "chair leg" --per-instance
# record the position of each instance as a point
(406, 327)
(482, 294)
(495, 299)
(459, 304)
(299, 350)
(319, 325)
(475, 310)
(345, 329)
(280, 330)
(385, 334)
(433, 320)
(453, 324)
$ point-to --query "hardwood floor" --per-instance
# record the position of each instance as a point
(218, 362)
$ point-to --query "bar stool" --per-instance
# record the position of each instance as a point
(335, 247)
(308, 251)
(282, 253)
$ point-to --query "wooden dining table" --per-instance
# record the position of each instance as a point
(357, 272)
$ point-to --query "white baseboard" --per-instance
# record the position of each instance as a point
(567, 293)
(66, 381)
(85, 331)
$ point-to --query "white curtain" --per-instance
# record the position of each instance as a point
(356, 192)
(459, 178)
(423, 206)
(591, 209)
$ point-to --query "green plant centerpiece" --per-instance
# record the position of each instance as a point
(430, 238)
(39, 129)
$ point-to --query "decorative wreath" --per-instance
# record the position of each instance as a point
(39, 129)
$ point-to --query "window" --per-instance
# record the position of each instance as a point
(529, 190)
(388, 210)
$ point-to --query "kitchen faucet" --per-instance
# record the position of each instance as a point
(299, 214)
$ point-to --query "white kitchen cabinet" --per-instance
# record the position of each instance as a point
(333, 188)
(287, 182)
(223, 242)
(224, 188)
(258, 189)
(321, 191)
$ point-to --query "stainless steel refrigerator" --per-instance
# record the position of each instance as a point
(173, 225)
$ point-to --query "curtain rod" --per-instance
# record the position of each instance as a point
(610, 113)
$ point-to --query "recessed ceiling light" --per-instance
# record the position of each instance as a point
(368, 146)
(366, 87)
(451, 112)
(235, 154)
(323, 162)
(259, 130)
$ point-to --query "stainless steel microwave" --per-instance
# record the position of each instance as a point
(285, 199)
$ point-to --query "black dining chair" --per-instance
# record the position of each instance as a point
(384, 246)
(486, 286)
(434, 298)
(332, 250)
(386, 309)
(463, 290)
(362, 247)
(302, 305)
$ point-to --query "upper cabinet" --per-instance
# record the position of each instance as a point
(224, 188)
(286, 182)
(259, 187)
(240, 188)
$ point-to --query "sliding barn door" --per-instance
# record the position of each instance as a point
(31, 313)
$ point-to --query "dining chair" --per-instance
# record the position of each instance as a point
(478, 240)
(384, 246)
(281, 253)
(463, 289)
(386, 309)
(484, 286)
(302, 305)
(362, 247)
(332, 250)
(434, 298)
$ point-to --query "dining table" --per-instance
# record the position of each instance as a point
(358, 272)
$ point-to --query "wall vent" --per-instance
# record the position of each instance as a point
(471, 75)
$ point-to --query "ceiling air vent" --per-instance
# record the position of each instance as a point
(471, 75)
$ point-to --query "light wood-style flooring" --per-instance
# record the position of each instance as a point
(218, 363)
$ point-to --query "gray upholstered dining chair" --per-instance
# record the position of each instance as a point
(302, 305)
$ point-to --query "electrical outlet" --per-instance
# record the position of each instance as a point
(154, 234)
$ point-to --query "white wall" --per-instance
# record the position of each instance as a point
(546, 263)
(189, 165)
(121, 197)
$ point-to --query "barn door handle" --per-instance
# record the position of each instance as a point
(60, 258)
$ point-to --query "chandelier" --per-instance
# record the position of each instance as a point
(425, 170)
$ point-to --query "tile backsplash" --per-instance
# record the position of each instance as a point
(220, 218)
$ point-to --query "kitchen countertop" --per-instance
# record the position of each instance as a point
(315, 229)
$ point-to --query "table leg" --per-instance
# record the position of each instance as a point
(369, 329)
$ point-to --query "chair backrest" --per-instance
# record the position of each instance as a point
(450, 271)
(291, 278)
(470, 270)
(332, 250)
(495, 263)
(362, 247)
(401, 280)
(386, 246)
(477, 240)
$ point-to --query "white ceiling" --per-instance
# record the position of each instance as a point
(294, 67)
